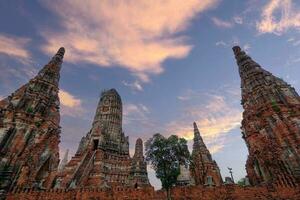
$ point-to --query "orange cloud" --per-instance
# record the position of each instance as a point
(70, 105)
(68, 100)
(216, 148)
(289, 18)
(215, 117)
(14, 47)
(136, 35)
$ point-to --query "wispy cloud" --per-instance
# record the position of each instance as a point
(135, 86)
(293, 41)
(183, 98)
(138, 122)
(234, 41)
(135, 112)
(70, 105)
(136, 35)
(187, 95)
(216, 148)
(15, 47)
(16, 65)
(215, 116)
(221, 43)
(12, 72)
(278, 16)
(222, 23)
(238, 19)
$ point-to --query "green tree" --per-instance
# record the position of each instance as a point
(165, 155)
(241, 182)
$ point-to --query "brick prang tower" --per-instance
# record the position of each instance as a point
(30, 131)
(102, 159)
(204, 169)
(270, 125)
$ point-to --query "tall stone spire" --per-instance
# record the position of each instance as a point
(204, 169)
(138, 153)
(51, 72)
(102, 158)
(270, 125)
(138, 172)
(30, 131)
(198, 141)
(107, 125)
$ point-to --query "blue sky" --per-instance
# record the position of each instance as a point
(171, 61)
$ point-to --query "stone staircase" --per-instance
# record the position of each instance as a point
(75, 178)
(297, 173)
(5, 180)
(88, 168)
(96, 178)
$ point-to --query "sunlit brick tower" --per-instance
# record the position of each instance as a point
(204, 169)
(102, 159)
(138, 172)
(270, 125)
(30, 131)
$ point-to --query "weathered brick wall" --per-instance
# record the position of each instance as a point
(229, 192)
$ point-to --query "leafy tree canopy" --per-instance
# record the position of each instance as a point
(165, 156)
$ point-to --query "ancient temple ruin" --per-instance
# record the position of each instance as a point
(30, 131)
(204, 169)
(102, 159)
(102, 167)
(30, 134)
(138, 172)
(270, 126)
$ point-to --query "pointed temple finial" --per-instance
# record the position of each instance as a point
(202, 161)
(58, 57)
(138, 170)
(198, 141)
(196, 132)
(195, 127)
(138, 148)
(240, 55)
(236, 49)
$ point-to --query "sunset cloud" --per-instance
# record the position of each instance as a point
(68, 99)
(278, 16)
(216, 148)
(215, 117)
(70, 105)
(136, 35)
(15, 47)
